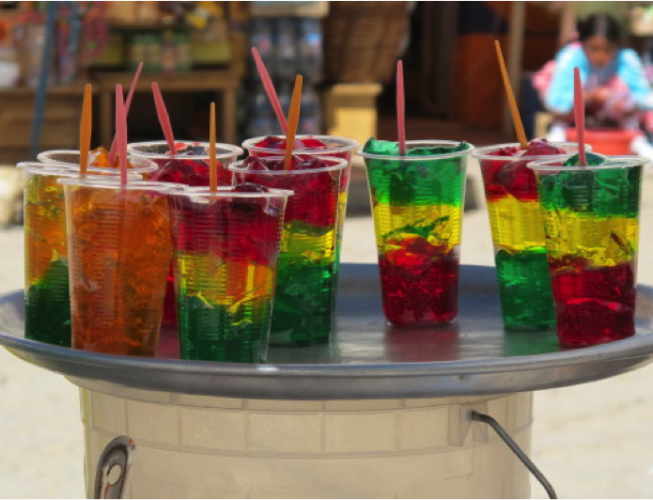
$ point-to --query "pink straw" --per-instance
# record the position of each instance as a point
(121, 134)
(130, 95)
(164, 119)
(579, 111)
(401, 109)
(269, 90)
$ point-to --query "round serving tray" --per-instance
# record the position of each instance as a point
(366, 359)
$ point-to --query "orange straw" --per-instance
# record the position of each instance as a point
(114, 144)
(213, 168)
(269, 89)
(401, 109)
(519, 126)
(164, 119)
(85, 128)
(121, 134)
(579, 112)
(293, 121)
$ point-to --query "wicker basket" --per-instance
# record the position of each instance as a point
(362, 40)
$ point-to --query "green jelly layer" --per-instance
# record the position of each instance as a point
(47, 307)
(389, 148)
(593, 160)
(214, 333)
(304, 301)
(610, 192)
(417, 183)
(525, 289)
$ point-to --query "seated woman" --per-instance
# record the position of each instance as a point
(617, 91)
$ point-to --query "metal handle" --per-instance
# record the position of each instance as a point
(514, 447)
(113, 468)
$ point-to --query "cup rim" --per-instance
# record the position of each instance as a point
(147, 167)
(38, 168)
(349, 145)
(341, 164)
(428, 142)
(113, 182)
(614, 162)
(231, 151)
(482, 153)
(225, 192)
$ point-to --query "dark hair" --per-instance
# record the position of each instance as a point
(600, 25)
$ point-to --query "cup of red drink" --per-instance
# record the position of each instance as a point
(304, 299)
(189, 166)
(591, 224)
(226, 246)
(97, 163)
(517, 231)
(417, 202)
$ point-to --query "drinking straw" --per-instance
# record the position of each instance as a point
(164, 119)
(85, 126)
(519, 126)
(213, 169)
(268, 86)
(579, 112)
(114, 144)
(121, 134)
(401, 108)
(293, 121)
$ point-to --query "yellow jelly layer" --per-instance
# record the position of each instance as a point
(604, 241)
(301, 243)
(516, 225)
(440, 225)
(218, 282)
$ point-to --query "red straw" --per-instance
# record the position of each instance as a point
(164, 119)
(121, 133)
(401, 109)
(579, 111)
(269, 90)
(128, 103)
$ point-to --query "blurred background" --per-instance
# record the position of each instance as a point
(590, 440)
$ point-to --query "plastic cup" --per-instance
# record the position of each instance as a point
(591, 223)
(47, 302)
(226, 247)
(187, 169)
(518, 236)
(68, 158)
(417, 208)
(304, 299)
(119, 248)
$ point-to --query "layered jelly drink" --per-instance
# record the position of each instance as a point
(417, 202)
(591, 222)
(304, 299)
(518, 232)
(119, 254)
(226, 246)
(189, 166)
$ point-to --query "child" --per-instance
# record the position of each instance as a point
(616, 89)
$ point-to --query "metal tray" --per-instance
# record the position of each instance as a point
(367, 359)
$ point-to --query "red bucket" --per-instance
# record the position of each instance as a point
(607, 141)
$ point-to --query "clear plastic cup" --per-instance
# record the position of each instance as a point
(190, 170)
(304, 299)
(68, 158)
(518, 234)
(591, 223)
(418, 204)
(226, 247)
(119, 248)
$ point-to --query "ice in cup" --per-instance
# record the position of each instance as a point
(304, 299)
(189, 166)
(68, 158)
(417, 203)
(518, 232)
(591, 223)
(226, 247)
(119, 248)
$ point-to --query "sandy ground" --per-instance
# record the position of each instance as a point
(592, 440)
